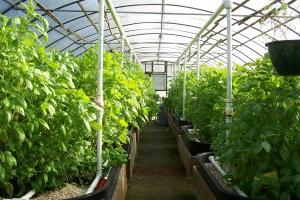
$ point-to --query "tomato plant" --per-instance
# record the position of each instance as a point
(204, 100)
(263, 148)
(205, 105)
(175, 92)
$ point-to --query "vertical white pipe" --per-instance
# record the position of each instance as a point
(174, 70)
(130, 58)
(100, 98)
(184, 88)
(198, 59)
(122, 49)
(228, 109)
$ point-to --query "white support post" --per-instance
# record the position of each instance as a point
(198, 59)
(99, 97)
(122, 49)
(130, 58)
(174, 70)
(228, 109)
(184, 88)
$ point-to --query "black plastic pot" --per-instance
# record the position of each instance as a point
(194, 146)
(107, 191)
(179, 122)
(285, 56)
(219, 192)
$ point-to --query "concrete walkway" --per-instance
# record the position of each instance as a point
(158, 172)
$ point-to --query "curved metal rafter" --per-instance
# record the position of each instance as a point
(208, 39)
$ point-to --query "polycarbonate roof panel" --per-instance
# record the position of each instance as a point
(162, 29)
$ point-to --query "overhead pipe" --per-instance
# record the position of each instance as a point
(99, 97)
(115, 16)
(198, 35)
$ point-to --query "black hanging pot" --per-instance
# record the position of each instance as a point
(285, 56)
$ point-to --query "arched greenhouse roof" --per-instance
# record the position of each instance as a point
(160, 30)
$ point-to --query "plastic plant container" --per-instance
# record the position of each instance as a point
(285, 56)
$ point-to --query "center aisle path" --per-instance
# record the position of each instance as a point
(158, 171)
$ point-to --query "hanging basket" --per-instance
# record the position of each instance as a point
(285, 56)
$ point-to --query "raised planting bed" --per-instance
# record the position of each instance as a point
(208, 182)
(187, 159)
(193, 145)
(169, 118)
(138, 134)
(188, 149)
(112, 186)
(116, 186)
(131, 153)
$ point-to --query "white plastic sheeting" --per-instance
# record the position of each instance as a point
(159, 30)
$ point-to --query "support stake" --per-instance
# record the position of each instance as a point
(228, 109)
(99, 97)
(198, 59)
(184, 88)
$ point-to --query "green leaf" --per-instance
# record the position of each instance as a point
(123, 122)
(257, 108)
(45, 178)
(86, 125)
(284, 152)
(258, 148)
(10, 160)
(51, 109)
(20, 110)
(44, 124)
(29, 84)
(95, 125)
(266, 146)
(9, 189)
(8, 116)
(63, 129)
(20, 134)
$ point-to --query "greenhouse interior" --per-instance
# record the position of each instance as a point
(150, 100)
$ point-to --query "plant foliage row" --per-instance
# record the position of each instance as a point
(48, 118)
(263, 147)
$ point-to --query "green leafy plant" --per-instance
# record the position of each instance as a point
(48, 127)
(263, 148)
(175, 99)
(46, 120)
(128, 97)
(205, 105)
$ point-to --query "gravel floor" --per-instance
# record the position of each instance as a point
(68, 191)
(158, 172)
